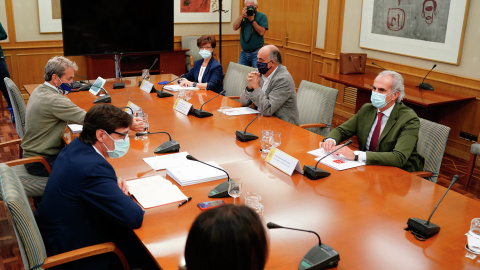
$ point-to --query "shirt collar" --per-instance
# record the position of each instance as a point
(388, 111)
(52, 86)
(98, 151)
(270, 76)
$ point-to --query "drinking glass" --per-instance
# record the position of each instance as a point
(266, 141)
(137, 112)
(146, 74)
(188, 95)
(181, 94)
(145, 124)
(252, 200)
(234, 189)
(276, 139)
(473, 236)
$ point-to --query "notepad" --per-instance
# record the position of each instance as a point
(155, 191)
(195, 173)
(170, 160)
(176, 87)
(339, 163)
(75, 128)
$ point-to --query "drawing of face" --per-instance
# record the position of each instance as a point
(429, 9)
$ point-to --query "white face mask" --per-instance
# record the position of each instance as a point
(378, 100)
(121, 147)
(205, 53)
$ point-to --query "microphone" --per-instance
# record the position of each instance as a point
(425, 85)
(319, 256)
(201, 114)
(162, 94)
(103, 99)
(130, 108)
(84, 87)
(245, 136)
(373, 63)
(313, 173)
(166, 147)
(121, 84)
(422, 229)
(220, 191)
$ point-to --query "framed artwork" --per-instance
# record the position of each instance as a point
(49, 16)
(427, 29)
(203, 11)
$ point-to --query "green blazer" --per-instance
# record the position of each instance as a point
(397, 145)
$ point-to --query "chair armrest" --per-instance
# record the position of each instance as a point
(191, 61)
(85, 252)
(312, 125)
(30, 160)
(11, 143)
(423, 174)
(233, 97)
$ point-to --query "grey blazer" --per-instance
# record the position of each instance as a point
(280, 94)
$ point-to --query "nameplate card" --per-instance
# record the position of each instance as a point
(146, 86)
(182, 106)
(283, 161)
(134, 107)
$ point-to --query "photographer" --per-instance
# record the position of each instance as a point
(253, 24)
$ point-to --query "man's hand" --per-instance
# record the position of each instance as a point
(253, 80)
(122, 184)
(137, 125)
(244, 12)
(328, 145)
(345, 151)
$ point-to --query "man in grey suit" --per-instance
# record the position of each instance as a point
(274, 88)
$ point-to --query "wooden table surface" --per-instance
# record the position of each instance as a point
(360, 212)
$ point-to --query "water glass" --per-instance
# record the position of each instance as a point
(181, 94)
(252, 200)
(234, 189)
(276, 139)
(145, 124)
(266, 141)
(473, 236)
(137, 112)
(146, 74)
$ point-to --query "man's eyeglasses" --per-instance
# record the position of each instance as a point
(125, 135)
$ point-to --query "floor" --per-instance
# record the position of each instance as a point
(10, 257)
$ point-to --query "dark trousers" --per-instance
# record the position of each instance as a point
(38, 168)
(4, 73)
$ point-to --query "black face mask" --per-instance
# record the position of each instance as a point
(263, 67)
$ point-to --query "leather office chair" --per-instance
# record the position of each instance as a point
(432, 139)
(316, 104)
(32, 248)
(474, 151)
(18, 106)
(190, 42)
(236, 79)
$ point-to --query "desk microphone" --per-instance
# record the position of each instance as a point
(425, 85)
(121, 84)
(313, 173)
(162, 94)
(319, 256)
(373, 63)
(201, 114)
(86, 86)
(220, 191)
(103, 99)
(166, 147)
(245, 136)
(422, 229)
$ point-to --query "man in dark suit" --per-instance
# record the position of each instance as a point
(387, 130)
(84, 202)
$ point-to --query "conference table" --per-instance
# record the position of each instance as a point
(360, 212)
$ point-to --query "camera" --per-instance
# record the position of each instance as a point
(251, 10)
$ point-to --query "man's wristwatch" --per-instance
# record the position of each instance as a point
(249, 89)
(356, 155)
(194, 84)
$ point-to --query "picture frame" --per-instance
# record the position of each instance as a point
(203, 16)
(45, 16)
(414, 28)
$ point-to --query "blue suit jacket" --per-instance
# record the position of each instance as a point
(82, 204)
(213, 74)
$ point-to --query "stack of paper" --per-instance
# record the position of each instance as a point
(238, 111)
(339, 163)
(176, 87)
(75, 128)
(195, 173)
(171, 160)
(154, 191)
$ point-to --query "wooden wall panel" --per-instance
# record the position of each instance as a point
(274, 9)
(299, 24)
(298, 64)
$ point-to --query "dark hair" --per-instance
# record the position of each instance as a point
(227, 237)
(205, 39)
(106, 117)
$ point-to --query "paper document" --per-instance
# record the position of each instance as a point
(195, 173)
(176, 87)
(238, 111)
(171, 160)
(154, 191)
(75, 128)
(339, 163)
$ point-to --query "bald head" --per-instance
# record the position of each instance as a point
(273, 53)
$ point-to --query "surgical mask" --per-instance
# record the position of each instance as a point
(64, 87)
(263, 67)
(205, 53)
(378, 100)
(121, 147)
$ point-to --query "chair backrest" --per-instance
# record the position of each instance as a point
(18, 104)
(315, 104)
(236, 79)
(432, 139)
(190, 42)
(20, 213)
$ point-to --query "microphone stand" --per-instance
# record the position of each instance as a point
(121, 84)
(200, 113)
(220, 191)
(314, 173)
(103, 99)
(245, 136)
(425, 85)
(169, 146)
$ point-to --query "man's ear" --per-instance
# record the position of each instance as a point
(100, 135)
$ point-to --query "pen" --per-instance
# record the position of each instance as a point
(184, 202)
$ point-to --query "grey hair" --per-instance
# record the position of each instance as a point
(58, 65)
(274, 54)
(254, 2)
(397, 84)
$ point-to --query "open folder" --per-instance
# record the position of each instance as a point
(154, 191)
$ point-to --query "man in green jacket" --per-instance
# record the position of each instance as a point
(387, 130)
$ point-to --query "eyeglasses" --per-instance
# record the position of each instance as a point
(125, 135)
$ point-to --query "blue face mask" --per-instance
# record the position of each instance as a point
(65, 87)
(121, 147)
(205, 53)
(378, 100)
(263, 67)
